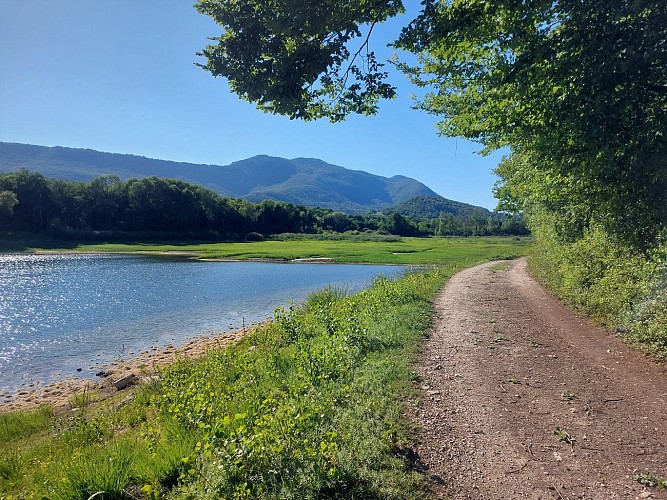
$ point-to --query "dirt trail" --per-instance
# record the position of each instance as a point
(505, 367)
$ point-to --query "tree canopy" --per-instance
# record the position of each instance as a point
(577, 89)
(292, 56)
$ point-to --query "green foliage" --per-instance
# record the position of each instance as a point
(83, 430)
(430, 207)
(647, 325)
(650, 480)
(614, 282)
(170, 458)
(590, 272)
(10, 467)
(574, 88)
(324, 298)
(8, 201)
(110, 472)
(280, 412)
(16, 429)
(20, 424)
(291, 56)
(564, 436)
(110, 209)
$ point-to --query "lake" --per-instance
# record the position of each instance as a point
(60, 313)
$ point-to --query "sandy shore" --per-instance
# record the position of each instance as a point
(59, 394)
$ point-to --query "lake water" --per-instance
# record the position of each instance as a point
(59, 313)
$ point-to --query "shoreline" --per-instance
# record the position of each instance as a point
(191, 255)
(59, 394)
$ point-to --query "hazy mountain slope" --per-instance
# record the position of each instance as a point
(304, 181)
(318, 183)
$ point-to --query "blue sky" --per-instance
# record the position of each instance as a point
(119, 76)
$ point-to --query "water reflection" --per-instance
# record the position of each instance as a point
(59, 313)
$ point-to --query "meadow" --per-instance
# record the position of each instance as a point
(375, 250)
(306, 406)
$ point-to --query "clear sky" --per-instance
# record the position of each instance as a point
(120, 76)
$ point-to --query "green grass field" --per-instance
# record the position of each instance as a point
(417, 251)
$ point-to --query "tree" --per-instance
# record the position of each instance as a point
(34, 208)
(105, 198)
(338, 222)
(68, 197)
(448, 225)
(292, 57)
(400, 226)
(576, 88)
(8, 201)
(514, 225)
(476, 223)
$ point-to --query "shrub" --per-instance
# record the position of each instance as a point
(618, 285)
(254, 237)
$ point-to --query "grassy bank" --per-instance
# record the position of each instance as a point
(307, 406)
(383, 251)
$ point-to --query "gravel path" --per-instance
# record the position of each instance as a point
(521, 398)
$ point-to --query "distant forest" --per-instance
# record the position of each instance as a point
(109, 207)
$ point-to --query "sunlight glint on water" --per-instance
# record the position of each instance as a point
(59, 313)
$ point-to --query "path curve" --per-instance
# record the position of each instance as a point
(505, 366)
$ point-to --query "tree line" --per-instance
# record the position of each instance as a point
(31, 202)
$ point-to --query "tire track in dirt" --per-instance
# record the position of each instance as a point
(505, 366)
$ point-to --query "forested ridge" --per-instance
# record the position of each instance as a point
(575, 89)
(309, 182)
(109, 208)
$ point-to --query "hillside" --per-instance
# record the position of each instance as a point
(430, 207)
(303, 181)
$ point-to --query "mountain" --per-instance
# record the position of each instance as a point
(430, 207)
(303, 181)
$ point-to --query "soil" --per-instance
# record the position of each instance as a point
(522, 398)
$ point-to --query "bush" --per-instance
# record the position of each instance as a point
(254, 237)
(618, 285)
